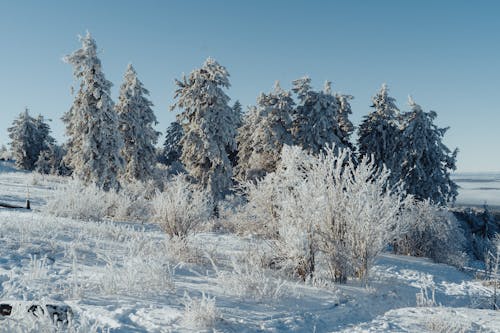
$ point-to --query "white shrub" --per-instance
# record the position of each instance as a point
(247, 278)
(432, 232)
(181, 207)
(326, 205)
(79, 201)
(199, 313)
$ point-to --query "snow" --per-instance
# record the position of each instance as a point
(119, 275)
(478, 189)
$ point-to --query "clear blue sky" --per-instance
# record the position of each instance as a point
(446, 54)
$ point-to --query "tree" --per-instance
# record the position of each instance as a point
(50, 161)
(425, 161)
(29, 136)
(379, 132)
(315, 118)
(238, 122)
(209, 126)
(93, 147)
(136, 120)
(345, 126)
(266, 130)
(172, 149)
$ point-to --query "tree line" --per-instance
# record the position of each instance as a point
(217, 144)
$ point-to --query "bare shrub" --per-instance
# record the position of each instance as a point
(326, 205)
(432, 232)
(181, 207)
(200, 313)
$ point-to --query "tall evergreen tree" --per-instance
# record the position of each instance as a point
(425, 161)
(265, 132)
(209, 126)
(378, 134)
(315, 118)
(94, 142)
(136, 119)
(172, 149)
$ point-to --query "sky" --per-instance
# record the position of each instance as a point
(445, 54)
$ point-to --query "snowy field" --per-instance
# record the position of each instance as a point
(478, 189)
(128, 277)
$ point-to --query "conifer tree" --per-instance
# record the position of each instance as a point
(378, 134)
(238, 122)
(315, 118)
(172, 149)
(345, 126)
(425, 161)
(136, 120)
(209, 127)
(265, 132)
(30, 136)
(94, 142)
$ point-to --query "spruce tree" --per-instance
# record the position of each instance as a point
(136, 120)
(315, 118)
(94, 142)
(345, 126)
(172, 149)
(378, 134)
(266, 131)
(209, 126)
(425, 161)
(24, 141)
(30, 136)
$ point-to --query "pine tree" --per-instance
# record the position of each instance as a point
(425, 161)
(136, 119)
(93, 147)
(245, 144)
(315, 118)
(209, 127)
(345, 126)
(50, 161)
(238, 122)
(172, 149)
(30, 136)
(378, 134)
(266, 130)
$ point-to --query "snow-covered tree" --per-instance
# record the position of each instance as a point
(50, 161)
(378, 134)
(5, 153)
(209, 126)
(172, 149)
(238, 122)
(345, 126)
(266, 130)
(315, 118)
(425, 160)
(136, 120)
(93, 147)
(29, 136)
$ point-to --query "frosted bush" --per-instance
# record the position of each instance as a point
(79, 201)
(181, 207)
(247, 278)
(326, 206)
(89, 202)
(432, 232)
(199, 313)
(137, 276)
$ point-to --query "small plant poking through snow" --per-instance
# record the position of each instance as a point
(200, 313)
(181, 207)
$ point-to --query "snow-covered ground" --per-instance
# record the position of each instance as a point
(128, 277)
